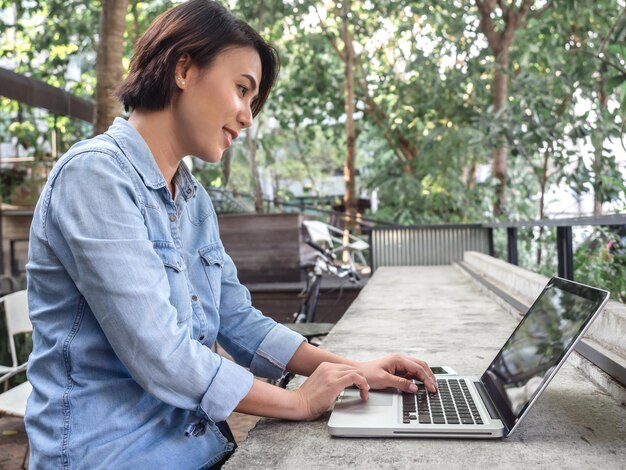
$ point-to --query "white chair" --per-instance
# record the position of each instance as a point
(332, 237)
(13, 401)
(17, 322)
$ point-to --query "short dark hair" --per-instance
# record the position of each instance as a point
(202, 29)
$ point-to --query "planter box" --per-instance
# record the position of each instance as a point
(264, 247)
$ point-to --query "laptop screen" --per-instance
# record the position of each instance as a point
(539, 344)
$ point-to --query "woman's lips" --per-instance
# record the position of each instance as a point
(230, 135)
(229, 138)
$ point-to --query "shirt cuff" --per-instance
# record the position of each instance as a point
(275, 352)
(229, 386)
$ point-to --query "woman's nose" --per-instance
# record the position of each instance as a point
(245, 117)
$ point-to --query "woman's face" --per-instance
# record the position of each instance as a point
(215, 102)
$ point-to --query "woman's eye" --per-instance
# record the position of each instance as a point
(243, 90)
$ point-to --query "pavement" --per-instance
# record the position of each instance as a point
(13, 442)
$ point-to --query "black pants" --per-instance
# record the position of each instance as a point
(225, 430)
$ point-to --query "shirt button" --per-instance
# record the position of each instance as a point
(201, 338)
(194, 297)
(172, 217)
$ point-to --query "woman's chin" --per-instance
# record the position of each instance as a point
(210, 157)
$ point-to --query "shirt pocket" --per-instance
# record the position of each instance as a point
(212, 263)
(174, 267)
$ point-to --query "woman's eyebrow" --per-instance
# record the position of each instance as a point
(252, 80)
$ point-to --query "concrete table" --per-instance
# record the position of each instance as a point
(438, 314)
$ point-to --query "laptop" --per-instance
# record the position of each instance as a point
(493, 405)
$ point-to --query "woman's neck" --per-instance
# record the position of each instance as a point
(157, 129)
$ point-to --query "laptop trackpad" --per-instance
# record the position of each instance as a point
(351, 396)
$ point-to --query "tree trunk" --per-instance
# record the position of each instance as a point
(597, 170)
(500, 45)
(226, 161)
(543, 183)
(135, 13)
(469, 175)
(349, 197)
(405, 150)
(304, 160)
(109, 69)
(598, 144)
(278, 201)
(500, 93)
(251, 141)
(252, 135)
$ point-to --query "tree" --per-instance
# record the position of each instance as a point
(500, 44)
(252, 134)
(612, 71)
(424, 77)
(109, 69)
(349, 174)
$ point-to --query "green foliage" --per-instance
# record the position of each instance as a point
(601, 261)
(423, 84)
(439, 189)
(9, 180)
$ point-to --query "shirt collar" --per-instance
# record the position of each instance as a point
(130, 141)
(185, 181)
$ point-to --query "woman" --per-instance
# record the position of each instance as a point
(129, 285)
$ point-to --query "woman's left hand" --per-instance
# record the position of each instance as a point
(397, 370)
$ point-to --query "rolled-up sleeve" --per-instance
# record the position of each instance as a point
(94, 222)
(275, 352)
(254, 341)
(221, 398)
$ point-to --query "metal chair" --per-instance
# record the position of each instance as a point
(13, 401)
(332, 238)
(17, 322)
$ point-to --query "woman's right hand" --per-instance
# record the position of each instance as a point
(323, 387)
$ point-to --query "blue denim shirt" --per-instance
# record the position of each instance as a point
(128, 290)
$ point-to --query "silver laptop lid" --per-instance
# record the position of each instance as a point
(539, 346)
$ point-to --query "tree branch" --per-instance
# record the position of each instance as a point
(615, 23)
(603, 60)
(303, 159)
(538, 13)
(514, 20)
(525, 7)
(329, 36)
(486, 24)
(502, 7)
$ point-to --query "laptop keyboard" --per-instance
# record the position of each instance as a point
(452, 405)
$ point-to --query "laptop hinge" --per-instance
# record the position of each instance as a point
(493, 412)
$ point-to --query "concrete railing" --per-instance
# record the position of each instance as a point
(605, 336)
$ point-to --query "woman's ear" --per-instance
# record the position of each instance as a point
(182, 71)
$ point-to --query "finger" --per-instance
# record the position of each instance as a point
(419, 369)
(355, 378)
(423, 364)
(401, 383)
(426, 367)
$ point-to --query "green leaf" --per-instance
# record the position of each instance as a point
(614, 82)
(616, 49)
